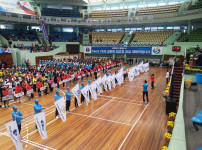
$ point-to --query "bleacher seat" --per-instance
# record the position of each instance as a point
(60, 13)
(197, 5)
(159, 9)
(108, 13)
(18, 35)
(64, 37)
(107, 37)
(195, 36)
(197, 120)
(151, 36)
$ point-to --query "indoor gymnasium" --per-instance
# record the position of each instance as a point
(101, 75)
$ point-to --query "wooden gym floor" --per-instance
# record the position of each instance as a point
(117, 120)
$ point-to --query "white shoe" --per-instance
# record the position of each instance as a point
(57, 117)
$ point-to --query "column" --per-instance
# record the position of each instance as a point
(189, 27)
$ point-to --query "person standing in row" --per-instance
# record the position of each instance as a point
(37, 107)
(17, 116)
(82, 97)
(167, 77)
(145, 91)
(57, 97)
(152, 81)
(89, 82)
(68, 99)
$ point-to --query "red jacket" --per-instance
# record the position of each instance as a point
(5, 92)
(64, 77)
(18, 89)
(152, 78)
(23, 84)
(58, 79)
(28, 87)
(39, 85)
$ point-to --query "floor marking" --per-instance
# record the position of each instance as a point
(132, 86)
(101, 119)
(33, 143)
(132, 128)
(119, 98)
(101, 107)
(122, 102)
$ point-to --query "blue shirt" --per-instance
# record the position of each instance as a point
(145, 85)
(68, 95)
(37, 108)
(57, 97)
(81, 87)
(17, 116)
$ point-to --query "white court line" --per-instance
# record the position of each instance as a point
(132, 128)
(100, 107)
(101, 119)
(132, 86)
(33, 143)
(119, 98)
(46, 124)
(122, 102)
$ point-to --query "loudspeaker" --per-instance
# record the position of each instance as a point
(171, 105)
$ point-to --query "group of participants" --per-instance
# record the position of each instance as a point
(47, 75)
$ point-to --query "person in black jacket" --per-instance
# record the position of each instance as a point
(199, 60)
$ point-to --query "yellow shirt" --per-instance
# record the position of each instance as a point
(34, 80)
(1, 74)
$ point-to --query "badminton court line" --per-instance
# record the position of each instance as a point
(132, 128)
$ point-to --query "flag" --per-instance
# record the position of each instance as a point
(99, 85)
(14, 134)
(113, 80)
(48, 19)
(8, 16)
(85, 92)
(68, 21)
(93, 88)
(33, 18)
(108, 81)
(58, 20)
(78, 21)
(109, 21)
(119, 20)
(88, 21)
(43, 26)
(60, 105)
(130, 20)
(104, 82)
(41, 124)
(20, 17)
(76, 93)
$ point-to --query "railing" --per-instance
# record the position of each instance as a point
(171, 81)
(124, 20)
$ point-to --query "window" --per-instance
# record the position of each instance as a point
(161, 4)
(152, 5)
(176, 28)
(169, 28)
(114, 8)
(102, 30)
(153, 28)
(147, 28)
(36, 28)
(109, 30)
(140, 6)
(2, 27)
(127, 29)
(139, 29)
(67, 30)
(133, 29)
(160, 28)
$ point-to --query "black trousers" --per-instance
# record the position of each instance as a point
(145, 93)
(196, 126)
(82, 98)
(34, 87)
(166, 81)
(152, 85)
(68, 105)
(56, 113)
(19, 128)
(75, 102)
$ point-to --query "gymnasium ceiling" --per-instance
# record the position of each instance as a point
(86, 2)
